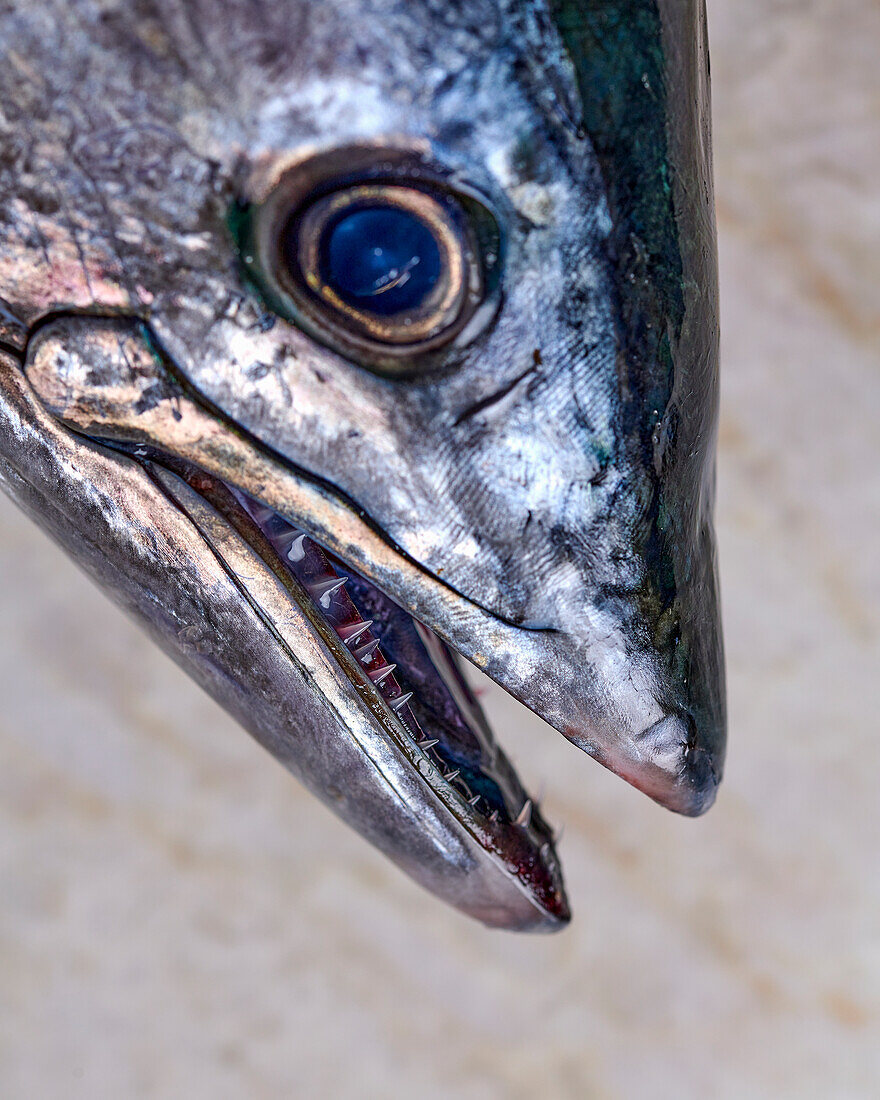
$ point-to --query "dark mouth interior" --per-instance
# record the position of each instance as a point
(417, 675)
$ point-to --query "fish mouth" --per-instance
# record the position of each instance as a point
(408, 698)
(412, 682)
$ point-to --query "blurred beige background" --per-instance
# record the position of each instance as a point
(178, 918)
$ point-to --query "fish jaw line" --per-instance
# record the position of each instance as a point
(665, 758)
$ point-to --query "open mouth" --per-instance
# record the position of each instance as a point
(411, 703)
(411, 680)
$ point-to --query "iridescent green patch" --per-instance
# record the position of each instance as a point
(616, 48)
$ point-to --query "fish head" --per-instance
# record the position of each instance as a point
(432, 288)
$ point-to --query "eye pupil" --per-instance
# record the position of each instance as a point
(380, 258)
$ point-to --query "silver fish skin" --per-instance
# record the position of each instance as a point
(539, 492)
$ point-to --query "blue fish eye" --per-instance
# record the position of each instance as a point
(381, 259)
(388, 270)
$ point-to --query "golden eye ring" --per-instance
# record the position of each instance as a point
(375, 253)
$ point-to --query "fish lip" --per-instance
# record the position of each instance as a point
(669, 744)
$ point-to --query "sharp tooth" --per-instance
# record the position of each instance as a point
(452, 775)
(297, 551)
(493, 817)
(401, 701)
(284, 536)
(382, 675)
(351, 634)
(324, 590)
(427, 744)
(525, 814)
(366, 651)
(473, 801)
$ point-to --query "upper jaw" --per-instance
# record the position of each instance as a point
(652, 719)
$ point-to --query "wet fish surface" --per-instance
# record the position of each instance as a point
(343, 340)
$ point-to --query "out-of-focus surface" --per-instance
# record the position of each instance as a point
(178, 918)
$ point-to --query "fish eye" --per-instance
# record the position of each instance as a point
(384, 260)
